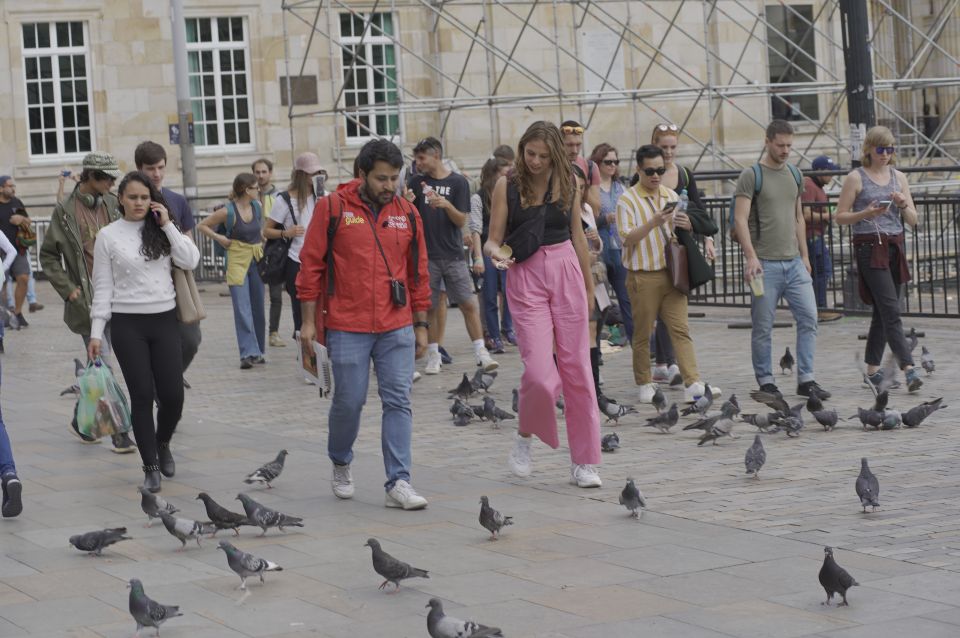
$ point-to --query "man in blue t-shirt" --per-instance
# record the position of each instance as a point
(151, 160)
(443, 199)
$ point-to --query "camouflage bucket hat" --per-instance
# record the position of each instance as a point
(102, 162)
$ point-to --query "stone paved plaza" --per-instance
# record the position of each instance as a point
(717, 554)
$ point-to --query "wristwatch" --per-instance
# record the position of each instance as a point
(421, 324)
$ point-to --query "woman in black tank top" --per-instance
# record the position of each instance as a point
(548, 293)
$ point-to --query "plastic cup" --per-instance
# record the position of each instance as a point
(756, 285)
(503, 254)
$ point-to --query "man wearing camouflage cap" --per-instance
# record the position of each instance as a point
(67, 253)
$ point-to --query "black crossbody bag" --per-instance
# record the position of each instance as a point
(526, 239)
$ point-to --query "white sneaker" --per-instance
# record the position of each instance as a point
(433, 363)
(584, 476)
(674, 376)
(342, 481)
(403, 495)
(661, 374)
(520, 460)
(416, 376)
(647, 391)
(486, 361)
(696, 389)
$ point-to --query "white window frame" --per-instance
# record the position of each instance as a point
(216, 47)
(54, 52)
(368, 42)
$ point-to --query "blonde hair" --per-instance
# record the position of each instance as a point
(561, 185)
(877, 136)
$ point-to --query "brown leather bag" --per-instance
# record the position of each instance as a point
(189, 305)
(675, 254)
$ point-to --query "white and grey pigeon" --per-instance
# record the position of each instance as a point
(610, 442)
(269, 472)
(482, 380)
(492, 520)
(632, 498)
(184, 528)
(868, 487)
(152, 505)
(723, 427)
(392, 570)
(755, 457)
(264, 517)
(764, 422)
(701, 405)
(926, 360)
(612, 410)
(440, 625)
(246, 565)
(146, 611)
(78, 369)
(95, 542)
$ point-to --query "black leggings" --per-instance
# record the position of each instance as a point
(291, 271)
(276, 304)
(148, 350)
(886, 327)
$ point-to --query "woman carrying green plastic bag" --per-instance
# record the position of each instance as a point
(102, 408)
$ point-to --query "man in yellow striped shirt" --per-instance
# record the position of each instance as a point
(645, 221)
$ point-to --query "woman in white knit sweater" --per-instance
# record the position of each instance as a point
(133, 289)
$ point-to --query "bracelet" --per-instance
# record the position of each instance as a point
(421, 324)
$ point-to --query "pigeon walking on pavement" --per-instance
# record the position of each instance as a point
(632, 499)
(731, 406)
(723, 427)
(755, 458)
(701, 405)
(268, 472)
(868, 487)
(463, 413)
(392, 570)
(264, 517)
(786, 362)
(78, 369)
(610, 442)
(493, 413)
(727, 411)
(764, 422)
(613, 410)
(916, 415)
(912, 339)
(152, 505)
(221, 517)
(835, 579)
(792, 421)
(464, 390)
(185, 528)
(926, 360)
(814, 404)
(440, 625)
(146, 611)
(659, 401)
(664, 421)
(873, 418)
(94, 542)
(491, 519)
(482, 380)
(827, 418)
(246, 565)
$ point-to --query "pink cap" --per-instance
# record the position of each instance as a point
(309, 163)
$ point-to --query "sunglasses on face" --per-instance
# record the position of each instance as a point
(650, 172)
(575, 130)
(613, 162)
(663, 128)
(885, 150)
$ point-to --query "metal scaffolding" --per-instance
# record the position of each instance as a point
(915, 46)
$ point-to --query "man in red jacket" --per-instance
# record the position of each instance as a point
(377, 310)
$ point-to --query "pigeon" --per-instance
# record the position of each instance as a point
(560, 404)
(483, 380)
(152, 505)
(632, 499)
(78, 370)
(146, 611)
(888, 374)
(915, 416)
(269, 472)
(94, 542)
(868, 487)
(880, 403)
(765, 422)
(463, 413)
(221, 517)
(814, 404)
(701, 405)
(792, 421)
(727, 411)
(491, 519)
(731, 406)
(610, 442)
(723, 427)
(926, 360)
(246, 565)
(516, 401)
(755, 458)
(613, 410)
(494, 414)
(827, 418)
(463, 419)
(184, 528)
(891, 420)
(659, 401)
(665, 421)
(390, 568)
(869, 417)
(464, 390)
(786, 362)
(440, 625)
(912, 339)
(835, 579)
(264, 517)
(773, 400)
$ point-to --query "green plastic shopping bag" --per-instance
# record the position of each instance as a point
(102, 409)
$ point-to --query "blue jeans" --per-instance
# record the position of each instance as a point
(790, 280)
(7, 467)
(494, 281)
(248, 314)
(617, 276)
(819, 254)
(392, 354)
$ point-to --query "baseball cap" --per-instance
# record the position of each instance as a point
(309, 163)
(823, 163)
(103, 162)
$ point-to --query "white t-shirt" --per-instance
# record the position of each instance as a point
(280, 213)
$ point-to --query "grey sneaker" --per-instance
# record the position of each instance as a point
(342, 481)
(403, 495)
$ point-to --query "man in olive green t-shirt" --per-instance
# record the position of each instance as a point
(772, 234)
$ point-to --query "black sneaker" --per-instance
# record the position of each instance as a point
(12, 504)
(445, 357)
(259, 359)
(75, 429)
(122, 444)
(23, 322)
(810, 388)
(771, 388)
(246, 363)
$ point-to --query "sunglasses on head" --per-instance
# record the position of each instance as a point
(667, 127)
(650, 172)
(567, 130)
(885, 150)
(613, 162)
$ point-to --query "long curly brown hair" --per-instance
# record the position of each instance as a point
(561, 180)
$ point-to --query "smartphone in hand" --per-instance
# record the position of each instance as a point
(669, 207)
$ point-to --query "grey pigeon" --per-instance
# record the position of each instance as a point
(78, 370)
(891, 420)
(613, 410)
(701, 405)
(792, 421)
(926, 360)
(835, 579)
(264, 517)
(94, 542)
(814, 404)
(440, 625)
(516, 401)
(755, 458)
(827, 418)
(868, 487)
(915, 416)
(463, 419)
(765, 422)
(786, 362)
(246, 565)
(390, 568)
(880, 403)
(632, 499)
(464, 390)
(483, 380)
(727, 411)
(463, 413)
(888, 372)
(146, 611)
(560, 404)
(659, 401)
(665, 421)
(610, 442)
(491, 519)
(494, 414)
(269, 472)
(723, 427)
(152, 505)
(185, 528)
(731, 406)
(221, 517)
(773, 400)
(872, 418)
(912, 339)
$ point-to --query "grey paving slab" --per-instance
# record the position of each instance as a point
(896, 628)
(762, 618)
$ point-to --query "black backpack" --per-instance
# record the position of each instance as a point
(273, 265)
